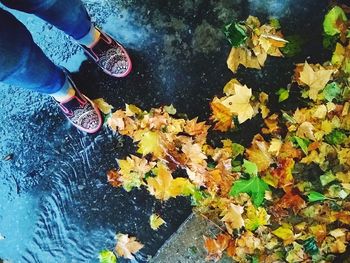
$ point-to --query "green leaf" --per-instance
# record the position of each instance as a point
(196, 197)
(235, 34)
(331, 21)
(310, 246)
(331, 91)
(237, 149)
(255, 187)
(250, 168)
(336, 137)
(327, 178)
(170, 109)
(287, 117)
(107, 256)
(315, 196)
(329, 42)
(255, 259)
(283, 94)
(302, 143)
(274, 22)
(293, 47)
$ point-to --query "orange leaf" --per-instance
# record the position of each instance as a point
(215, 247)
(283, 172)
(221, 115)
(259, 154)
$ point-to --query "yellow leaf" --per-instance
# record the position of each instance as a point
(156, 221)
(233, 217)
(229, 88)
(275, 146)
(150, 142)
(132, 110)
(221, 115)
(315, 79)
(242, 56)
(255, 218)
(258, 153)
(127, 246)
(239, 104)
(285, 232)
(306, 130)
(164, 186)
(103, 106)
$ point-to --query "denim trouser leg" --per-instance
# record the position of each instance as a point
(68, 15)
(22, 62)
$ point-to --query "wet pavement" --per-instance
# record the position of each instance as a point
(55, 202)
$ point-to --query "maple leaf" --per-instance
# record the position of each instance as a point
(127, 246)
(233, 217)
(239, 104)
(156, 221)
(164, 186)
(255, 187)
(341, 57)
(283, 172)
(107, 256)
(259, 154)
(216, 247)
(306, 130)
(118, 121)
(296, 254)
(256, 217)
(285, 232)
(290, 200)
(242, 56)
(194, 153)
(113, 177)
(131, 172)
(316, 78)
(150, 142)
(221, 115)
(103, 105)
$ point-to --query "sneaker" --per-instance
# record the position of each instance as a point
(81, 111)
(110, 55)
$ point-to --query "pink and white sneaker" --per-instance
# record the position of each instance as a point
(81, 111)
(110, 55)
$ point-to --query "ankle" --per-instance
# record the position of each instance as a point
(66, 92)
(90, 39)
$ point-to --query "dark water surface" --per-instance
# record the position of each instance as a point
(55, 202)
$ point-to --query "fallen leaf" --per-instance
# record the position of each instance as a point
(163, 186)
(127, 246)
(107, 256)
(239, 104)
(232, 217)
(216, 247)
(221, 115)
(316, 79)
(103, 106)
(156, 221)
(259, 154)
(255, 217)
(255, 187)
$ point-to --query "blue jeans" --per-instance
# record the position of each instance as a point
(22, 62)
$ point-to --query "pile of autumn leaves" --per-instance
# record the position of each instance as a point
(285, 198)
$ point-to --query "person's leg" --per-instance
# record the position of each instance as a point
(72, 17)
(23, 64)
(68, 15)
